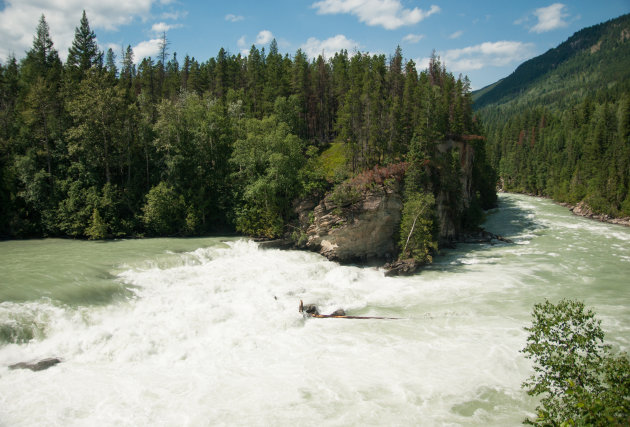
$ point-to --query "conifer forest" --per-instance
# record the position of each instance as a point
(175, 146)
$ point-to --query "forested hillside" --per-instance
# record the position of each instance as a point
(560, 124)
(88, 149)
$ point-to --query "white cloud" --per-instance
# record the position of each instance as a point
(233, 18)
(146, 49)
(413, 38)
(19, 18)
(422, 63)
(242, 45)
(162, 27)
(550, 18)
(488, 54)
(390, 14)
(264, 37)
(456, 35)
(115, 47)
(521, 20)
(174, 15)
(314, 47)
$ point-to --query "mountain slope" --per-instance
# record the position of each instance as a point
(595, 56)
(559, 126)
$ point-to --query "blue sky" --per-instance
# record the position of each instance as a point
(485, 40)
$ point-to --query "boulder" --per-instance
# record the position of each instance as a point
(405, 267)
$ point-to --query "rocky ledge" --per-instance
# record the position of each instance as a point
(582, 209)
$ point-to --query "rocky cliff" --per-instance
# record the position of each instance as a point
(451, 202)
(357, 231)
(359, 220)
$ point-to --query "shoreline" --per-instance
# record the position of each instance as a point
(581, 209)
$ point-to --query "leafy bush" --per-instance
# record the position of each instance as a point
(259, 222)
(267, 160)
(98, 228)
(344, 195)
(580, 382)
(164, 211)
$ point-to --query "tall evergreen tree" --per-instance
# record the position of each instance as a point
(110, 63)
(42, 60)
(84, 53)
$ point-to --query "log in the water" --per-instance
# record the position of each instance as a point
(310, 310)
(332, 316)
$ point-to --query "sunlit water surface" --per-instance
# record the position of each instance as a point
(207, 331)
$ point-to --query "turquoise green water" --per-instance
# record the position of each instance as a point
(79, 272)
(207, 331)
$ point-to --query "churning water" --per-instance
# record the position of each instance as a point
(207, 331)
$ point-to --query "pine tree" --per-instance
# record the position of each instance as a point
(110, 63)
(84, 53)
(42, 60)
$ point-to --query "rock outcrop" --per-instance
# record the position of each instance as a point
(359, 220)
(361, 230)
(449, 207)
(403, 267)
(582, 209)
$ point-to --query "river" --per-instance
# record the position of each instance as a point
(207, 331)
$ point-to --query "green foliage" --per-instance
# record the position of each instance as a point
(97, 229)
(344, 195)
(579, 381)
(91, 151)
(193, 137)
(267, 159)
(417, 228)
(164, 211)
(574, 156)
(84, 53)
(260, 221)
(334, 162)
(312, 175)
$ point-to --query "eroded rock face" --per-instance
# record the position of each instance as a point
(361, 231)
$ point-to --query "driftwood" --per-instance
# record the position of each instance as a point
(37, 366)
(310, 310)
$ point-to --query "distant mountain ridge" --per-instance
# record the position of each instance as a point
(602, 48)
(559, 126)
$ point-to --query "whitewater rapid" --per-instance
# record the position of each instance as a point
(212, 335)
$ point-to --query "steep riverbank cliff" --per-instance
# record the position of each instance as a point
(358, 228)
(360, 219)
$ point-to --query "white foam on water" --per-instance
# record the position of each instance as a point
(220, 341)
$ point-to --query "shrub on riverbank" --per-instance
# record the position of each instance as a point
(580, 381)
